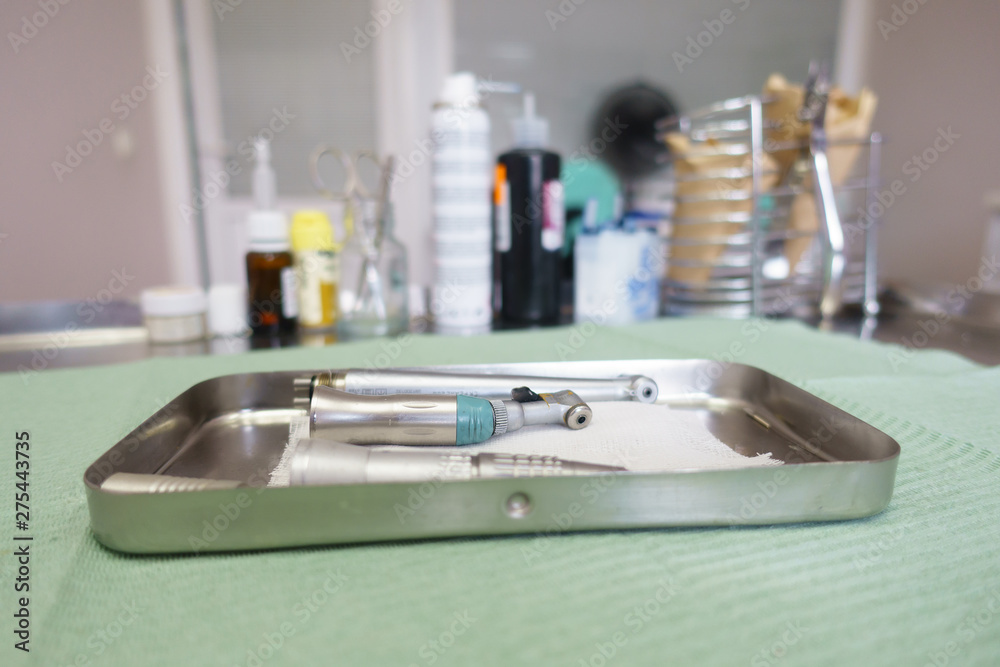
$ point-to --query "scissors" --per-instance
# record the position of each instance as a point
(370, 293)
(354, 187)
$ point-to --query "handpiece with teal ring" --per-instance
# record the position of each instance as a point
(436, 420)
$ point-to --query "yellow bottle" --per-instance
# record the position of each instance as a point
(316, 259)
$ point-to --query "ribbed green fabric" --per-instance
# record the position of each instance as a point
(903, 588)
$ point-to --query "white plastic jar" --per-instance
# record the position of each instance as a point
(174, 314)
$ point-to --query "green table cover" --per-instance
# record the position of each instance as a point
(918, 584)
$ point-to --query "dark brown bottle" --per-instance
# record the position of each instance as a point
(272, 304)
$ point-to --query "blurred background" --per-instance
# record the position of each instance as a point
(128, 149)
(228, 68)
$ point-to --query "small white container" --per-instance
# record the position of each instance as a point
(227, 311)
(174, 314)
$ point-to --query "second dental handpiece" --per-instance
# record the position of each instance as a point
(434, 420)
(317, 462)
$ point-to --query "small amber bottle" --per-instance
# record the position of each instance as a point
(272, 302)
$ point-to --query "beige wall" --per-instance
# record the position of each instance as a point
(940, 69)
(64, 240)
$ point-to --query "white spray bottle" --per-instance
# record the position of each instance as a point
(461, 300)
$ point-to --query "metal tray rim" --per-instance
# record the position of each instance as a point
(861, 487)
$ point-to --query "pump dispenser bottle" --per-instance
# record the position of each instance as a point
(271, 285)
(529, 221)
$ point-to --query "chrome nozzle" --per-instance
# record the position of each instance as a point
(526, 408)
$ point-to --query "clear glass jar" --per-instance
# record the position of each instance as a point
(373, 289)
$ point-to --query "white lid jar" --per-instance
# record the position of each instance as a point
(174, 314)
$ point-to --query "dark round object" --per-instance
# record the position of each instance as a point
(626, 123)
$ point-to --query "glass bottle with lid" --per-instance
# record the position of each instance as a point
(373, 288)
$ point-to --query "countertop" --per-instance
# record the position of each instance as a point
(46, 335)
(918, 583)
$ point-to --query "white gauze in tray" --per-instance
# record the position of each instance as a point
(635, 436)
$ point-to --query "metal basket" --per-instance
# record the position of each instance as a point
(743, 275)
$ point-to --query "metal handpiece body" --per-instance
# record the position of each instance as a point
(378, 382)
(318, 462)
(430, 419)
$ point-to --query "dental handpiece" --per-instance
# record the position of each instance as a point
(377, 382)
(430, 419)
(317, 462)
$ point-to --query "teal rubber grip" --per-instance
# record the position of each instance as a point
(474, 420)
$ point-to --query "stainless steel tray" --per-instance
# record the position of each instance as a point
(235, 428)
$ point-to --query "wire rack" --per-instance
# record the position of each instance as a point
(736, 245)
